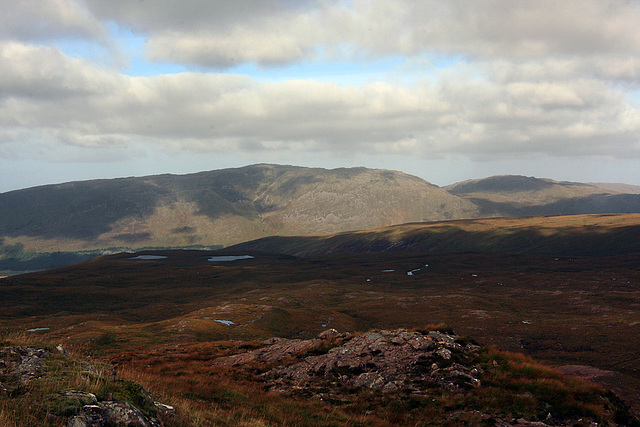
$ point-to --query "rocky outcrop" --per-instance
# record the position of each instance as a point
(19, 365)
(23, 362)
(93, 412)
(385, 360)
(388, 360)
(414, 369)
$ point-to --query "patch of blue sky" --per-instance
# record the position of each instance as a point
(425, 68)
(132, 48)
(634, 95)
(394, 69)
(343, 67)
(84, 49)
(138, 66)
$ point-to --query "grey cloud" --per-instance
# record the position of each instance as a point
(188, 16)
(46, 73)
(225, 33)
(270, 49)
(228, 33)
(608, 67)
(42, 20)
(100, 110)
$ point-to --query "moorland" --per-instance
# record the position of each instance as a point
(163, 320)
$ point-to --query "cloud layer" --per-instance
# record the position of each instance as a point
(498, 79)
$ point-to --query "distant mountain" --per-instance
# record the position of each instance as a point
(514, 195)
(617, 187)
(220, 207)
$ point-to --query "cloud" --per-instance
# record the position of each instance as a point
(229, 33)
(73, 103)
(517, 79)
(43, 20)
(606, 67)
(152, 16)
(45, 73)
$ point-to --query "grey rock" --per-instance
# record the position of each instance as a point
(90, 416)
(31, 360)
(445, 353)
(369, 379)
(124, 413)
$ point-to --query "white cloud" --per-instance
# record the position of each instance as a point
(40, 72)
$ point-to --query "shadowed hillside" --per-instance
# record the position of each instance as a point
(580, 235)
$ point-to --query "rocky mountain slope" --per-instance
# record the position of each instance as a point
(427, 369)
(218, 207)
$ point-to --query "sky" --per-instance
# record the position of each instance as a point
(447, 90)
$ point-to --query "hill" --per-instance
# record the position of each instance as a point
(514, 195)
(220, 207)
(577, 235)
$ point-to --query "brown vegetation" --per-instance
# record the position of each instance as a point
(157, 320)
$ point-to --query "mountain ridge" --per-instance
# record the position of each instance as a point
(224, 207)
(219, 207)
